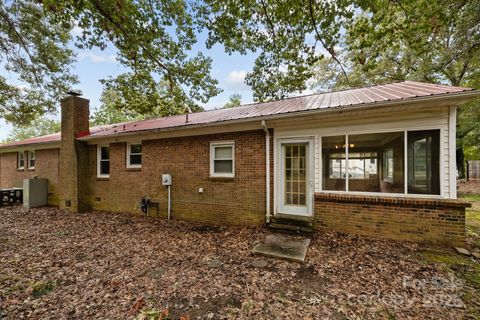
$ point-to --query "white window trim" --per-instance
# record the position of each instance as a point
(29, 153)
(129, 165)
(214, 145)
(99, 157)
(18, 160)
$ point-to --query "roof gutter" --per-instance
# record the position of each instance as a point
(28, 146)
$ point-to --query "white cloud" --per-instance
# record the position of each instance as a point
(236, 80)
(97, 58)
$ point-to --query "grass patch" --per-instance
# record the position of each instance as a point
(470, 197)
(465, 268)
(62, 233)
(41, 288)
(444, 257)
(154, 314)
(473, 227)
(472, 218)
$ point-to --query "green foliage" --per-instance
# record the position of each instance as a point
(154, 40)
(432, 41)
(472, 152)
(38, 127)
(338, 44)
(154, 314)
(290, 36)
(468, 129)
(41, 288)
(111, 110)
(326, 44)
(235, 100)
(35, 59)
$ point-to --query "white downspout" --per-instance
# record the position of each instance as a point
(267, 180)
(169, 202)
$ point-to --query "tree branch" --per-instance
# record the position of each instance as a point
(329, 50)
(22, 42)
(456, 56)
(169, 74)
(269, 22)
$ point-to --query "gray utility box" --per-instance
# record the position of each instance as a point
(35, 193)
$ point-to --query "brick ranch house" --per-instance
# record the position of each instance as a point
(377, 161)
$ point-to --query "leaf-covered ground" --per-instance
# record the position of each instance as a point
(58, 265)
(471, 187)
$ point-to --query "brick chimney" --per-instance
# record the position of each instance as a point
(74, 159)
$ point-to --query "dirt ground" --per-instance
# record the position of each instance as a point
(468, 187)
(58, 265)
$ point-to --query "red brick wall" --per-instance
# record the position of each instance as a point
(224, 201)
(46, 166)
(74, 155)
(423, 220)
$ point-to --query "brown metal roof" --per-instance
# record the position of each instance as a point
(345, 98)
(51, 138)
(320, 101)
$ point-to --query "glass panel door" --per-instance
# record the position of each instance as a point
(424, 162)
(295, 174)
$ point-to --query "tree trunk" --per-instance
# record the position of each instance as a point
(461, 163)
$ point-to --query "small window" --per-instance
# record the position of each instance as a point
(362, 165)
(31, 159)
(103, 162)
(222, 159)
(20, 160)
(134, 155)
(337, 166)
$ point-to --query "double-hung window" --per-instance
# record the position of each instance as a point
(31, 160)
(222, 159)
(103, 161)
(20, 160)
(134, 155)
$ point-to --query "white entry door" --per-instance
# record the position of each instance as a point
(295, 177)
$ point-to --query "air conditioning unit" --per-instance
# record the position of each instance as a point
(35, 193)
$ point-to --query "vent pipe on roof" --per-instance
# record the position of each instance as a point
(186, 114)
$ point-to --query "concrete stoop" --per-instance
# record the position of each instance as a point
(282, 247)
(291, 224)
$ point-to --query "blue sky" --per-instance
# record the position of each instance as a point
(94, 65)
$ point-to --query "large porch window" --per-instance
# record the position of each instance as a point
(376, 162)
(424, 162)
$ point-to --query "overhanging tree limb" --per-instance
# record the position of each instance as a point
(329, 50)
(22, 42)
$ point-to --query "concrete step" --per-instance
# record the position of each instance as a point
(293, 221)
(292, 229)
(282, 247)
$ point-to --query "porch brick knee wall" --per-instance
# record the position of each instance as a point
(238, 201)
(421, 220)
